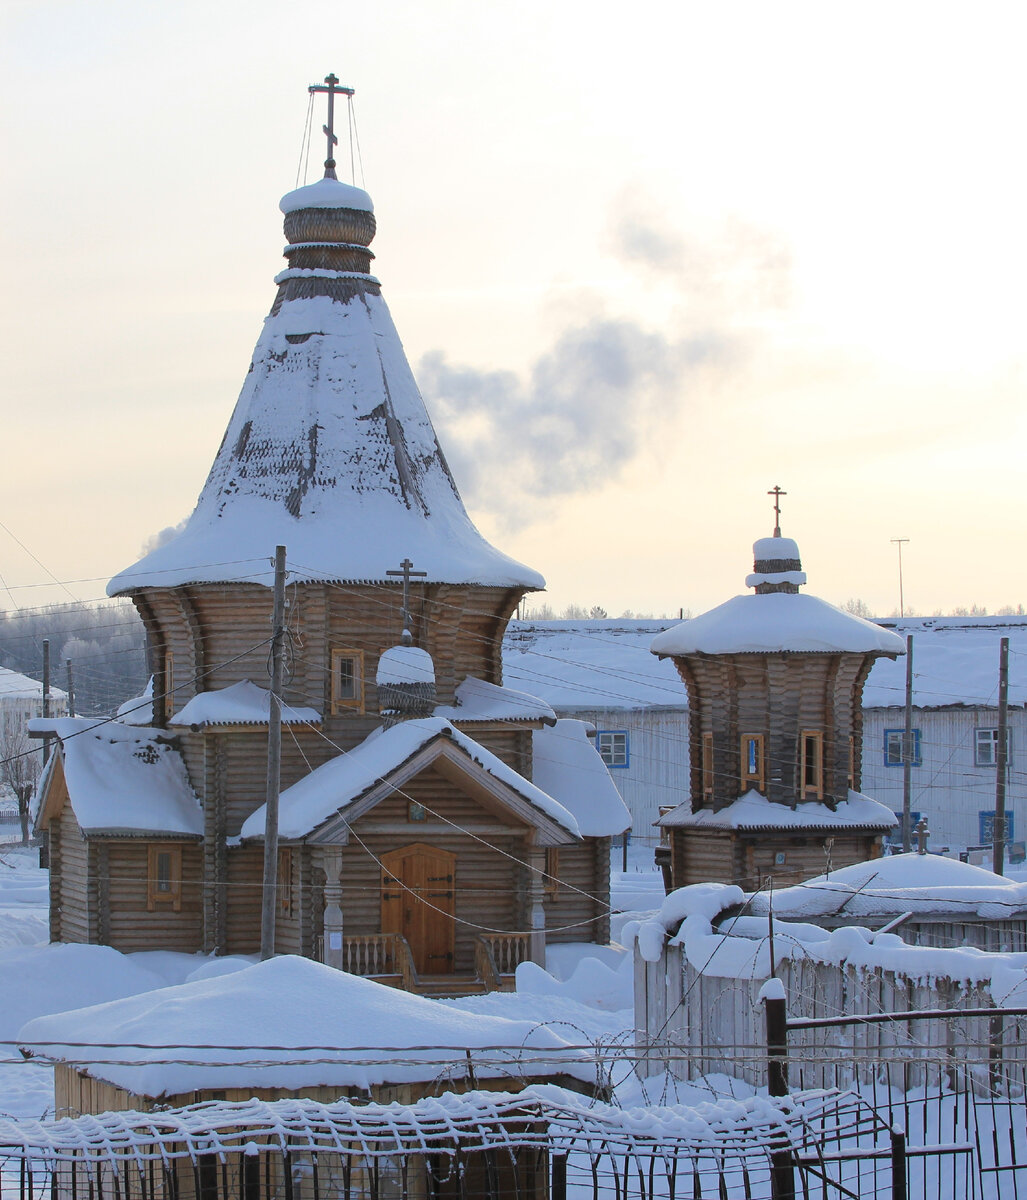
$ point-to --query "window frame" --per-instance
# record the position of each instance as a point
(899, 734)
(816, 787)
(354, 703)
(756, 778)
(156, 896)
(612, 762)
(708, 774)
(993, 744)
(551, 882)
(286, 863)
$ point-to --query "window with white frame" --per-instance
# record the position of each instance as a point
(893, 739)
(986, 747)
(612, 745)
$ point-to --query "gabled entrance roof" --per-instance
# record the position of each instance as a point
(322, 806)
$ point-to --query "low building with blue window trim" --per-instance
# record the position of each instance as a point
(955, 729)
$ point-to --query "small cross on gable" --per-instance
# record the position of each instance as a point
(407, 572)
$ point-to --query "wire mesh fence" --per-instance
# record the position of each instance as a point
(534, 1145)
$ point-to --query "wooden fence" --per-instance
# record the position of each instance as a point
(693, 1023)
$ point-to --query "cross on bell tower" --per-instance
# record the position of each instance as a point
(332, 86)
(777, 493)
(407, 571)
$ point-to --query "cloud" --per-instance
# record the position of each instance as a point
(608, 385)
(162, 537)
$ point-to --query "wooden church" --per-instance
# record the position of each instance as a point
(775, 681)
(433, 825)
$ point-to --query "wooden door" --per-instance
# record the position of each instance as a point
(417, 901)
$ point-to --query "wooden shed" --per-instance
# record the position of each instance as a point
(774, 686)
(289, 1027)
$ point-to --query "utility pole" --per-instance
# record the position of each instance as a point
(46, 697)
(907, 753)
(269, 896)
(998, 850)
(71, 688)
(902, 602)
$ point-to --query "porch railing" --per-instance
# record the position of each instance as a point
(376, 954)
(498, 954)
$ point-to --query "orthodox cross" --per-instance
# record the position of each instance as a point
(333, 88)
(922, 834)
(777, 493)
(407, 571)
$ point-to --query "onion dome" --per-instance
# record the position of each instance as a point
(776, 566)
(330, 226)
(406, 682)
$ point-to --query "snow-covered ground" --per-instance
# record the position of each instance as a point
(585, 995)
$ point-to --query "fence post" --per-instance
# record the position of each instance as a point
(782, 1172)
(898, 1166)
(559, 1188)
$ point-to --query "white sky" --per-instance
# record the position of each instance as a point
(831, 196)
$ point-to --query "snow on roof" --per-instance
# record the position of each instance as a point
(326, 193)
(741, 946)
(772, 549)
(329, 435)
(477, 700)
(955, 661)
(124, 780)
(579, 666)
(755, 811)
(336, 784)
(302, 1008)
(16, 686)
(924, 884)
(778, 621)
(243, 703)
(566, 765)
(405, 664)
(138, 710)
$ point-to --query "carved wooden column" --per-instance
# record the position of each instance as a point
(536, 911)
(331, 864)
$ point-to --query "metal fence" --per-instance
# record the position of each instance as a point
(539, 1144)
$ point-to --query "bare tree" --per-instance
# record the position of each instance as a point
(20, 764)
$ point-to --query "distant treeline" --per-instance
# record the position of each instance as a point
(106, 644)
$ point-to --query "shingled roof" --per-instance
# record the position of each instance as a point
(330, 450)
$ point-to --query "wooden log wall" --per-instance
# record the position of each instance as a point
(75, 919)
(130, 924)
(217, 635)
(776, 696)
(579, 909)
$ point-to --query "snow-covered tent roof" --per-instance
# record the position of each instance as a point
(123, 780)
(479, 701)
(308, 1025)
(754, 811)
(778, 618)
(330, 450)
(580, 666)
(243, 703)
(922, 884)
(357, 780)
(566, 764)
(955, 662)
(14, 686)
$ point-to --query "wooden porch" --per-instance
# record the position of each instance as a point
(387, 958)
